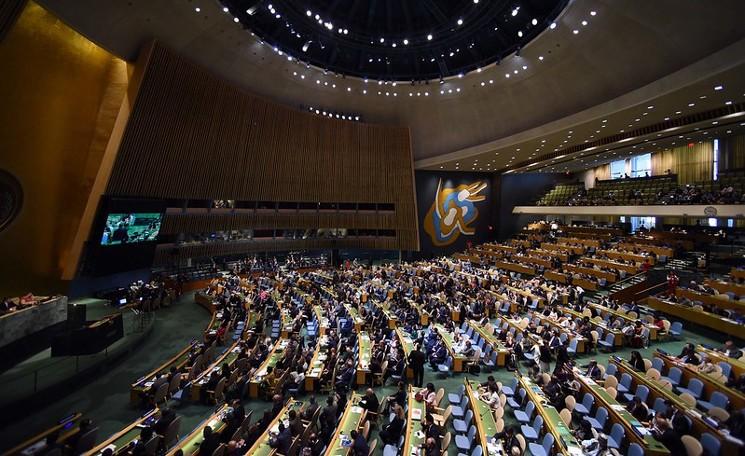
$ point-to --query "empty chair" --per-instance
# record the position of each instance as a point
(659, 405)
(516, 402)
(525, 416)
(509, 390)
(611, 370)
(693, 447)
(461, 426)
(585, 407)
(444, 370)
(459, 411)
(719, 413)
(598, 421)
(615, 439)
(676, 329)
(572, 348)
(491, 362)
(478, 451)
(642, 392)
(717, 399)
(710, 444)
(625, 384)
(455, 398)
(566, 416)
(607, 343)
(658, 363)
(544, 449)
(694, 387)
(635, 450)
(673, 376)
(532, 432)
(465, 442)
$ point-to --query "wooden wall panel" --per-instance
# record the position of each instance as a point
(193, 135)
(10, 10)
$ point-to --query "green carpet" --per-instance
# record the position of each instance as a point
(105, 399)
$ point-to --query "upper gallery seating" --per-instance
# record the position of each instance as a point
(657, 190)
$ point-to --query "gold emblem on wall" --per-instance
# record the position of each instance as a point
(453, 212)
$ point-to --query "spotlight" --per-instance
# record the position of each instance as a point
(307, 45)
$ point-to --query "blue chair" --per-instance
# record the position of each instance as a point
(617, 434)
(390, 450)
(712, 446)
(455, 398)
(461, 426)
(601, 417)
(444, 370)
(586, 406)
(607, 343)
(572, 348)
(717, 399)
(516, 403)
(641, 392)
(658, 364)
(635, 450)
(610, 370)
(659, 405)
(726, 368)
(545, 448)
(525, 416)
(509, 390)
(694, 387)
(532, 432)
(673, 376)
(465, 442)
(491, 363)
(624, 385)
(459, 411)
(676, 329)
(478, 451)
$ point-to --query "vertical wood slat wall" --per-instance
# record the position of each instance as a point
(193, 135)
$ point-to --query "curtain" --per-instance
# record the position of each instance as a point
(691, 164)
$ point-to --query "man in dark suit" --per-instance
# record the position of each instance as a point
(281, 441)
(416, 362)
(359, 444)
(210, 441)
(371, 404)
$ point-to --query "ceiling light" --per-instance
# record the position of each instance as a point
(235, 19)
(520, 33)
(406, 41)
(584, 22)
(525, 67)
(225, 9)
(552, 26)
(515, 11)
(429, 37)
(728, 103)
(460, 21)
(534, 21)
(197, 9)
(593, 13)
(540, 57)
(718, 88)
(575, 31)
(690, 105)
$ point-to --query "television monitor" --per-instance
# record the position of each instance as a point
(131, 228)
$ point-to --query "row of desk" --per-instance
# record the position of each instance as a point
(699, 317)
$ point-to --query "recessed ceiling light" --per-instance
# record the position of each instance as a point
(429, 37)
(575, 31)
(690, 105)
(460, 21)
(719, 87)
(593, 13)
(584, 22)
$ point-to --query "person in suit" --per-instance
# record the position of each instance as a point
(296, 423)
(416, 362)
(310, 408)
(391, 433)
(281, 441)
(370, 403)
(593, 371)
(359, 444)
(210, 441)
(431, 430)
(731, 350)
(398, 398)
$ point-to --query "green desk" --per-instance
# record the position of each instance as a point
(447, 339)
(270, 361)
(414, 434)
(261, 447)
(363, 366)
(350, 420)
(486, 424)
(190, 444)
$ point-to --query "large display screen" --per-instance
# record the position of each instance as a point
(131, 228)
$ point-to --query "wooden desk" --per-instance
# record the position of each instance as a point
(664, 251)
(416, 412)
(738, 367)
(385, 307)
(564, 442)
(554, 253)
(629, 268)
(515, 267)
(67, 427)
(574, 240)
(721, 301)
(316, 365)
(585, 283)
(351, 420)
(229, 357)
(254, 385)
(121, 441)
(710, 320)
(138, 388)
(603, 311)
(617, 335)
(556, 276)
(359, 322)
(635, 431)
(486, 424)
(447, 338)
(571, 335)
(656, 390)
(736, 398)
(261, 446)
(512, 324)
(568, 251)
(491, 339)
(609, 276)
(408, 346)
(503, 248)
(726, 287)
(323, 321)
(190, 444)
(365, 354)
(737, 273)
(628, 256)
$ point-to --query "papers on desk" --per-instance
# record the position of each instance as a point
(149, 384)
(416, 414)
(641, 430)
(576, 451)
(617, 407)
(357, 409)
(316, 372)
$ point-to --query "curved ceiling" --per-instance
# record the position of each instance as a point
(409, 40)
(600, 51)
